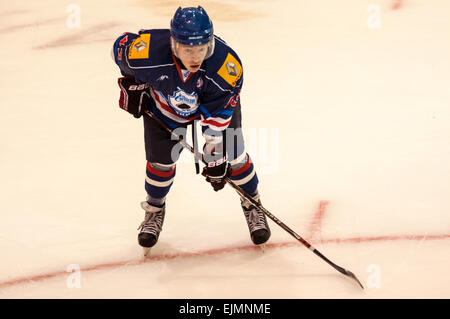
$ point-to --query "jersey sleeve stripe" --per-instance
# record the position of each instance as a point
(216, 123)
(114, 52)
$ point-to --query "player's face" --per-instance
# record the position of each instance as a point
(192, 56)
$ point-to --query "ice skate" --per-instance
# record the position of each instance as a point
(256, 222)
(146, 251)
(151, 227)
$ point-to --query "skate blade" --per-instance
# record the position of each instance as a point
(146, 251)
(262, 247)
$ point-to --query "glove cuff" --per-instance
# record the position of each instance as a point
(217, 169)
(217, 161)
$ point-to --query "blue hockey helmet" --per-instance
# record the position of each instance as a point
(192, 26)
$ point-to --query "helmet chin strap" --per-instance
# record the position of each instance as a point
(173, 45)
(211, 46)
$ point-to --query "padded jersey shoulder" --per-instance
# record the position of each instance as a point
(224, 66)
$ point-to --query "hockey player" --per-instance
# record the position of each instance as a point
(183, 75)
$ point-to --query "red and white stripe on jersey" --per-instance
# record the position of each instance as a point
(215, 123)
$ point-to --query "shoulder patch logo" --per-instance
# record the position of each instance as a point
(231, 70)
(140, 47)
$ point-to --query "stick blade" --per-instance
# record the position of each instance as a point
(343, 271)
(352, 275)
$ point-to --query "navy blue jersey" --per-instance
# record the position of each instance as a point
(209, 94)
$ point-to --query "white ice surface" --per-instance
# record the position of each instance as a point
(356, 116)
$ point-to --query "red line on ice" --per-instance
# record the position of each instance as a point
(397, 4)
(316, 223)
(201, 253)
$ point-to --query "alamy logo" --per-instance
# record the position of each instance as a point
(183, 103)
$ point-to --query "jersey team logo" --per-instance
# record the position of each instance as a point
(231, 70)
(183, 104)
(140, 47)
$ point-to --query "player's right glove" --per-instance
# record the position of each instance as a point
(216, 172)
(134, 97)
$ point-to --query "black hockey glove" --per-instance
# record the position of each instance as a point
(216, 172)
(134, 97)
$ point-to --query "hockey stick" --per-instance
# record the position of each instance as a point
(199, 156)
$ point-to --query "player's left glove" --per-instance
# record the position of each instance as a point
(134, 97)
(216, 172)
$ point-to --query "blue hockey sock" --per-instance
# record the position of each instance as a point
(244, 175)
(159, 179)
